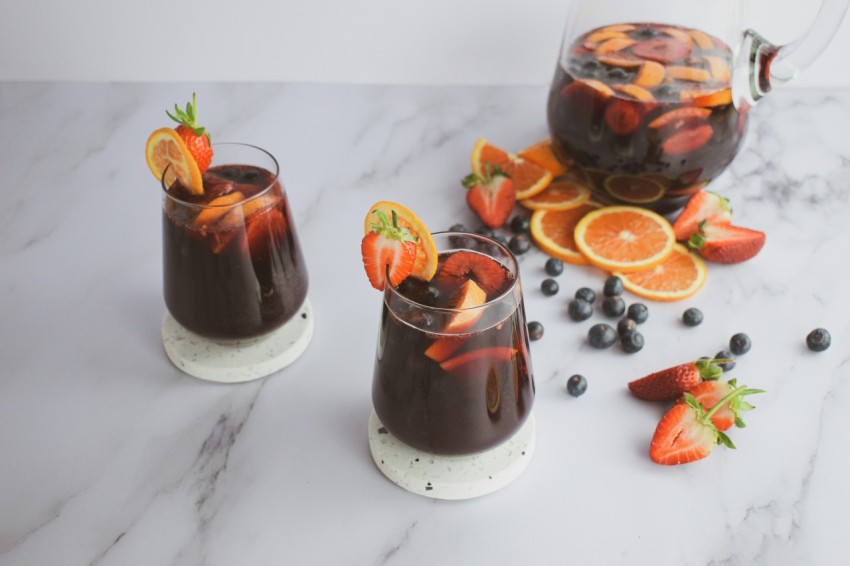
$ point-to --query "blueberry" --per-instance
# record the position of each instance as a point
(535, 330)
(647, 32)
(486, 232)
(549, 287)
(626, 325)
(554, 266)
(520, 225)
(579, 310)
(631, 342)
(667, 91)
(725, 355)
(818, 339)
(613, 306)
(692, 317)
(586, 294)
(617, 74)
(519, 244)
(576, 385)
(501, 239)
(638, 312)
(430, 296)
(740, 344)
(601, 336)
(591, 65)
(613, 287)
(458, 228)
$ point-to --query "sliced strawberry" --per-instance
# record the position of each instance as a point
(493, 354)
(264, 231)
(662, 49)
(464, 265)
(709, 394)
(703, 206)
(688, 139)
(725, 243)
(196, 138)
(670, 383)
(684, 434)
(491, 197)
(389, 252)
(623, 116)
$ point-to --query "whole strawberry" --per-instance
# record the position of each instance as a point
(709, 393)
(491, 196)
(670, 383)
(196, 137)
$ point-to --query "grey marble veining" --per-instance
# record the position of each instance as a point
(111, 456)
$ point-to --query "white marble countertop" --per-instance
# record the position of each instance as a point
(111, 456)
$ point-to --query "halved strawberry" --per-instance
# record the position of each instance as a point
(491, 197)
(725, 243)
(464, 265)
(623, 116)
(196, 137)
(389, 252)
(670, 383)
(688, 139)
(662, 49)
(488, 355)
(685, 433)
(703, 206)
(709, 394)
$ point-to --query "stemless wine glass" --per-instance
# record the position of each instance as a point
(650, 99)
(454, 381)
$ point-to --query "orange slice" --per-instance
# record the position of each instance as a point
(425, 265)
(624, 238)
(613, 45)
(636, 92)
(620, 61)
(165, 147)
(603, 89)
(678, 277)
(619, 27)
(702, 39)
(679, 34)
(688, 74)
(218, 207)
(707, 98)
(651, 74)
(719, 69)
(598, 37)
(469, 296)
(633, 188)
(553, 231)
(529, 179)
(542, 155)
(562, 194)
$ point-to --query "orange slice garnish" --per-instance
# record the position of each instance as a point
(681, 275)
(633, 188)
(529, 179)
(542, 155)
(425, 265)
(651, 74)
(624, 238)
(562, 194)
(553, 231)
(165, 147)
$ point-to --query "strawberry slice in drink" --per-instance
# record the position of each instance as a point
(463, 265)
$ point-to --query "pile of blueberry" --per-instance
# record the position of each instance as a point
(519, 241)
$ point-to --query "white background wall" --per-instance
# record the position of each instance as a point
(348, 41)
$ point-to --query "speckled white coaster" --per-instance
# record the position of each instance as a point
(234, 363)
(451, 477)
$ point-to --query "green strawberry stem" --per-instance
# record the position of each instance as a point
(392, 231)
(708, 369)
(189, 117)
(490, 170)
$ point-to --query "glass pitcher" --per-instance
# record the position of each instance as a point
(650, 100)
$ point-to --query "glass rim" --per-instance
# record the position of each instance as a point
(513, 269)
(275, 173)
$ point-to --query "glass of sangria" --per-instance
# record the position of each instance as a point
(650, 100)
(453, 386)
(234, 277)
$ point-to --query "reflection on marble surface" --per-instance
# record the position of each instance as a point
(112, 456)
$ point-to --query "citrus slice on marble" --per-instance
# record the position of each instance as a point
(166, 152)
(553, 231)
(562, 194)
(529, 179)
(425, 264)
(542, 155)
(678, 277)
(624, 238)
(633, 188)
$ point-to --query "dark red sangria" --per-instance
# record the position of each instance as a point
(645, 112)
(452, 373)
(233, 267)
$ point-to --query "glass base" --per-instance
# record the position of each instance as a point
(451, 477)
(236, 362)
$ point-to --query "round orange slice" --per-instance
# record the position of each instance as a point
(553, 231)
(529, 179)
(624, 238)
(562, 194)
(542, 155)
(164, 148)
(425, 265)
(633, 188)
(678, 277)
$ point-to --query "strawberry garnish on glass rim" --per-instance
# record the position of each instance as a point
(389, 252)
(195, 136)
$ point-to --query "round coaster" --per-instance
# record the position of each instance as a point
(451, 477)
(234, 363)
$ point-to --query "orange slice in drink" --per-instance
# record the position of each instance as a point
(702, 39)
(636, 92)
(425, 265)
(613, 45)
(553, 231)
(719, 69)
(688, 74)
(165, 147)
(598, 37)
(529, 179)
(678, 277)
(542, 155)
(709, 98)
(219, 207)
(651, 74)
(559, 195)
(633, 188)
(624, 238)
